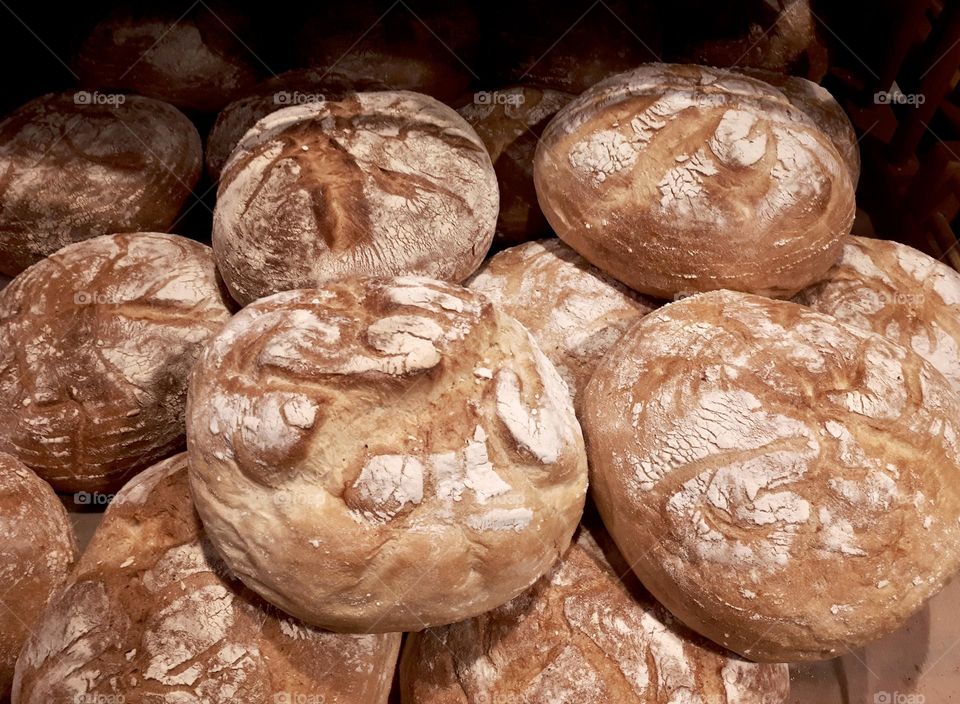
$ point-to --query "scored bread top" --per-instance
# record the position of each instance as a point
(784, 483)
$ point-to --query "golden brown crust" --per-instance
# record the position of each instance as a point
(678, 179)
(96, 343)
(587, 632)
(72, 169)
(898, 292)
(194, 61)
(373, 184)
(509, 121)
(783, 483)
(575, 312)
(150, 613)
(37, 548)
(383, 455)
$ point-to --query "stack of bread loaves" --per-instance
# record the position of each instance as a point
(343, 422)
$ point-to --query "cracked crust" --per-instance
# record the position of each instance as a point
(382, 455)
(70, 172)
(785, 484)
(96, 343)
(680, 179)
(152, 614)
(898, 292)
(586, 633)
(575, 312)
(37, 548)
(373, 184)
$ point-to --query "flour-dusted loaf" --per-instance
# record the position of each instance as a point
(37, 548)
(896, 291)
(575, 312)
(785, 484)
(373, 184)
(151, 614)
(195, 59)
(96, 344)
(383, 454)
(74, 169)
(817, 102)
(587, 632)
(681, 179)
(509, 121)
(296, 87)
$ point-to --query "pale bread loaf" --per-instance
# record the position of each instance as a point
(679, 179)
(151, 614)
(896, 291)
(575, 312)
(374, 184)
(509, 121)
(586, 633)
(785, 484)
(37, 548)
(383, 455)
(96, 343)
(75, 170)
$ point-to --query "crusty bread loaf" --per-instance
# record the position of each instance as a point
(575, 312)
(296, 87)
(96, 343)
(383, 455)
(195, 60)
(681, 179)
(374, 184)
(776, 35)
(426, 46)
(509, 121)
(151, 614)
(74, 169)
(37, 548)
(896, 291)
(587, 632)
(817, 102)
(785, 484)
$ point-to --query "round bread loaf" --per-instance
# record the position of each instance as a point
(679, 179)
(509, 121)
(194, 60)
(37, 548)
(587, 632)
(821, 107)
(785, 484)
(895, 291)
(776, 35)
(575, 312)
(383, 454)
(375, 184)
(151, 614)
(96, 343)
(75, 169)
(426, 46)
(296, 87)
